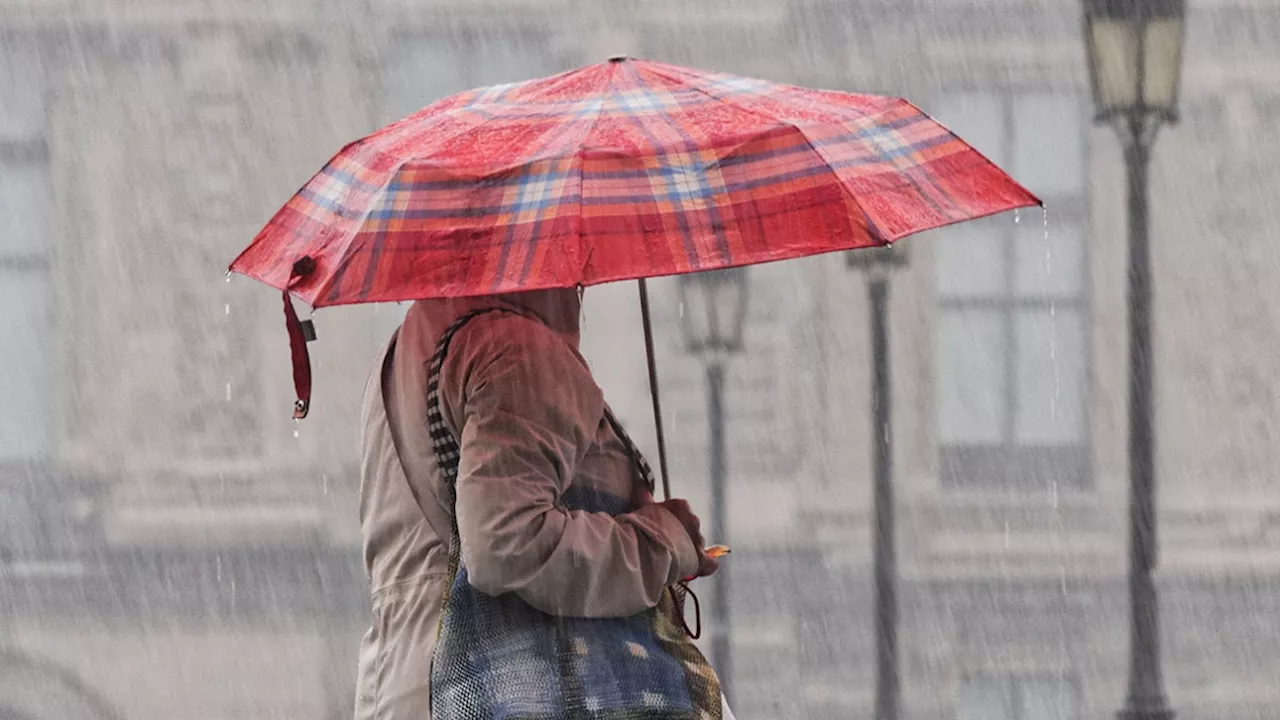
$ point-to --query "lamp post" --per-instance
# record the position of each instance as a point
(713, 311)
(877, 264)
(1135, 56)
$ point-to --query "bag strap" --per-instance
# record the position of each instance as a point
(637, 458)
(447, 452)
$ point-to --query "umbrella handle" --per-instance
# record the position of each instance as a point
(653, 389)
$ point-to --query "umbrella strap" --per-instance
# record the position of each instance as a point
(300, 333)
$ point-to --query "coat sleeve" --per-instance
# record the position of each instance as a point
(530, 411)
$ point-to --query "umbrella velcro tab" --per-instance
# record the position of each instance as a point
(300, 333)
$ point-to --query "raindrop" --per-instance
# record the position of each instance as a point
(217, 563)
(1053, 494)
(226, 309)
(295, 428)
(1053, 337)
(1048, 252)
(1053, 360)
(1016, 217)
(1062, 637)
(228, 391)
(681, 310)
(228, 277)
(1054, 410)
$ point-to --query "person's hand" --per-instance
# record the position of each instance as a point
(707, 565)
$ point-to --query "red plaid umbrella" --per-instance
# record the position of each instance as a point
(627, 169)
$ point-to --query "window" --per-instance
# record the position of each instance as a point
(1018, 698)
(1012, 336)
(26, 297)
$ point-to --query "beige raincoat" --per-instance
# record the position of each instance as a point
(530, 419)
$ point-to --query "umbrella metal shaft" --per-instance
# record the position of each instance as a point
(653, 388)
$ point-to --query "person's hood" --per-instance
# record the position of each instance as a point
(560, 309)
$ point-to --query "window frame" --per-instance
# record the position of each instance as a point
(1013, 466)
(19, 151)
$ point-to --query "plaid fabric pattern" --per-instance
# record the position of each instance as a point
(498, 658)
(618, 171)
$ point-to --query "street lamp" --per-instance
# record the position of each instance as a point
(877, 264)
(1135, 57)
(713, 312)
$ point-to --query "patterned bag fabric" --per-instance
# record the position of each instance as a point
(497, 658)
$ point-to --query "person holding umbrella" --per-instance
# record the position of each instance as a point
(552, 507)
(500, 494)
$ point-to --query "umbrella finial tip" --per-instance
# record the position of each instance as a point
(618, 58)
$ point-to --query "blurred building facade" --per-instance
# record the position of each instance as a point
(170, 549)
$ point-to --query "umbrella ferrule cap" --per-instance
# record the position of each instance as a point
(618, 58)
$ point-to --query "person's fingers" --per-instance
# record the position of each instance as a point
(707, 565)
(716, 551)
(691, 522)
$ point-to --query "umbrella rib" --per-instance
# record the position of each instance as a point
(494, 114)
(875, 232)
(650, 360)
(326, 286)
(582, 173)
(789, 91)
(430, 120)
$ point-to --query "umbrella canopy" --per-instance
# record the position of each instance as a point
(627, 169)
(622, 170)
